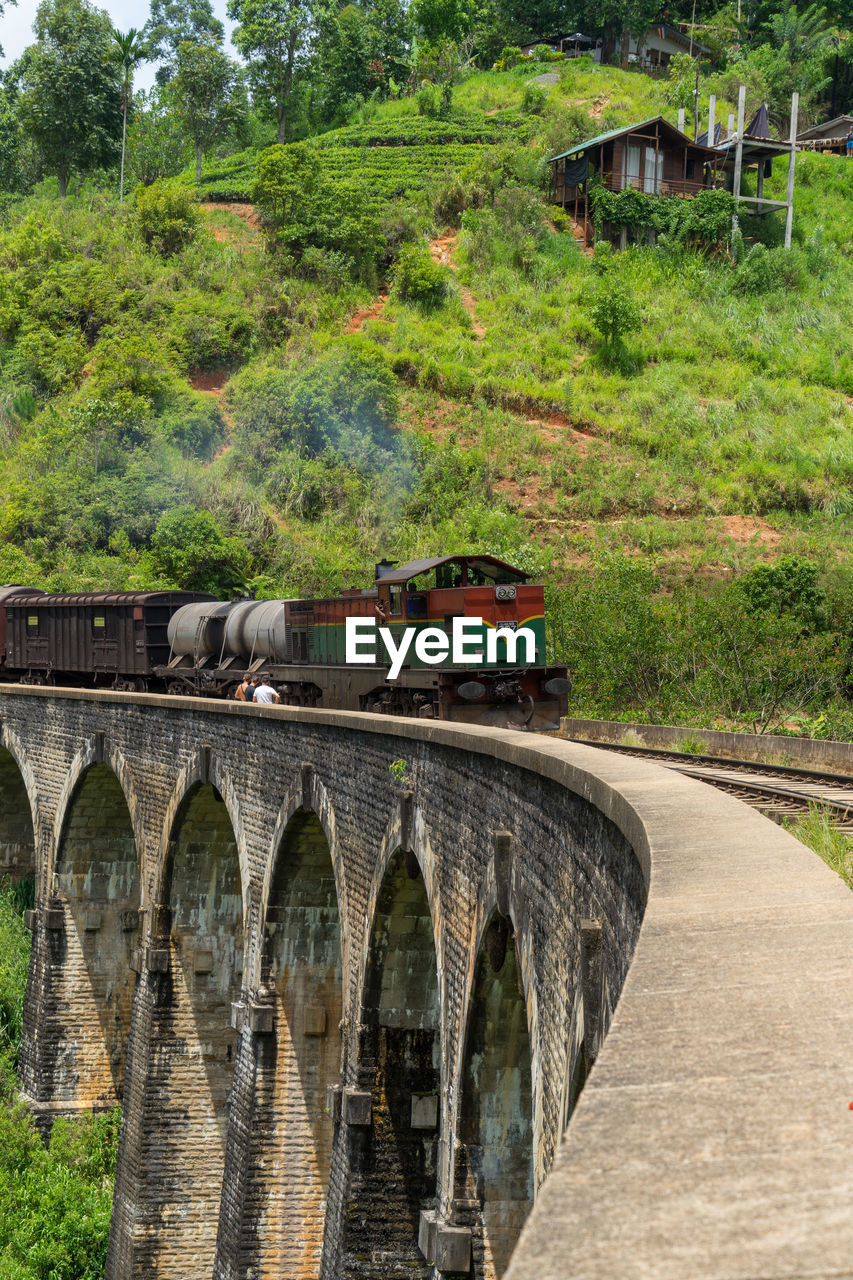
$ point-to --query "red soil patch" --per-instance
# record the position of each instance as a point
(209, 380)
(244, 211)
(368, 313)
(747, 529)
(557, 429)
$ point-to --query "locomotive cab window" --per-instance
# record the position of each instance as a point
(395, 601)
(448, 576)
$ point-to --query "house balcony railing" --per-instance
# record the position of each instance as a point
(686, 187)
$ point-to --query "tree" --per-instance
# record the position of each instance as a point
(174, 22)
(272, 36)
(203, 85)
(614, 312)
(442, 19)
(190, 550)
(131, 50)
(156, 147)
(71, 100)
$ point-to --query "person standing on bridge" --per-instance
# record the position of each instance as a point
(265, 692)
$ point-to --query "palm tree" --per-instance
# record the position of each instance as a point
(131, 49)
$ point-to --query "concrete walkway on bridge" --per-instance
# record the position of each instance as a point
(714, 1138)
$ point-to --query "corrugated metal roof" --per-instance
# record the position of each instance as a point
(602, 137)
(44, 599)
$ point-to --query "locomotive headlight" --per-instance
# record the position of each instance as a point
(504, 591)
(471, 690)
(557, 685)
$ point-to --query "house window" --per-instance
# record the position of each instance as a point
(630, 167)
(653, 171)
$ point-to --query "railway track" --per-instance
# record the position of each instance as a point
(778, 791)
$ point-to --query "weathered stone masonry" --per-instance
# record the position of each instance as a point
(327, 1001)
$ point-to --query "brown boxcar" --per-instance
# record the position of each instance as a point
(7, 592)
(114, 638)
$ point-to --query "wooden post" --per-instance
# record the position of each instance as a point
(741, 108)
(789, 218)
(759, 182)
(712, 123)
(730, 128)
(655, 187)
(681, 119)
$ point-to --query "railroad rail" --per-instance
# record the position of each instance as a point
(778, 791)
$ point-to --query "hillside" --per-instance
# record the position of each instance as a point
(417, 367)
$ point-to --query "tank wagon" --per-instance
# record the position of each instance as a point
(111, 639)
(301, 645)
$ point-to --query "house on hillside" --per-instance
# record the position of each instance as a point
(652, 157)
(653, 51)
(650, 52)
(830, 136)
(572, 46)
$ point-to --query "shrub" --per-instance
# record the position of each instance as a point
(428, 100)
(790, 586)
(533, 98)
(166, 217)
(345, 400)
(190, 551)
(418, 278)
(614, 312)
(510, 57)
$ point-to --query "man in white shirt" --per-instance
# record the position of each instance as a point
(265, 692)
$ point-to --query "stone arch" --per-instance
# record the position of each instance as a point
(496, 1151)
(203, 769)
(96, 751)
(301, 977)
(17, 819)
(90, 953)
(200, 923)
(394, 1158)
(308, 796)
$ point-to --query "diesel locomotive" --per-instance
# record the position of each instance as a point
(191, 644)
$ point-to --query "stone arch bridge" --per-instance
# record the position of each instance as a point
(349, 1011)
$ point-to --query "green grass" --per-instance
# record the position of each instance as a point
(720, 435)
(816, 830)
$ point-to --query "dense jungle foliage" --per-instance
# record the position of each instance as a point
(267, 323)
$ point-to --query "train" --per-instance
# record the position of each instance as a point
(189, 643)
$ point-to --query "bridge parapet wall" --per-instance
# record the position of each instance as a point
(565, 860)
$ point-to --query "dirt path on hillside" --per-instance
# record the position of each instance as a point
(211, 382)
(245, 212)
(442, 249)
(373, 312)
